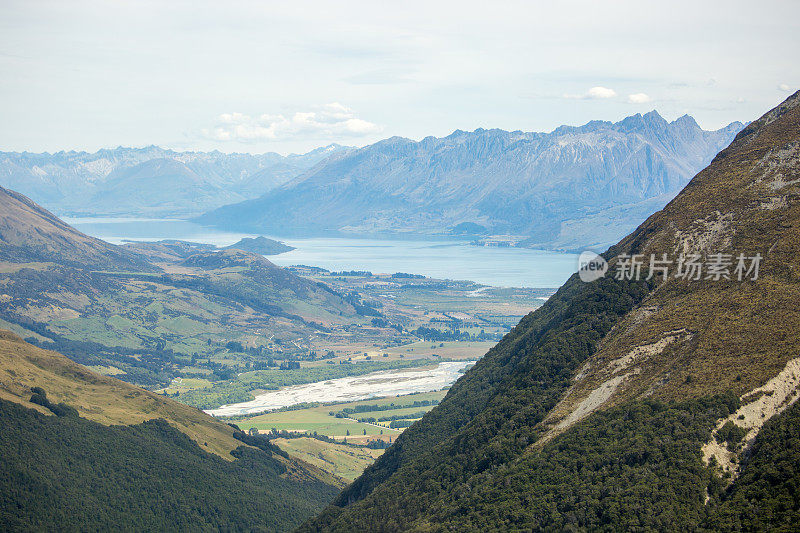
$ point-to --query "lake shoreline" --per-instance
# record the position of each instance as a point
(437, 258)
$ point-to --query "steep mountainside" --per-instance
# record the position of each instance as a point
(574, 187)
(623, 403)
(115, 454)
(149, 181)
(28, 233)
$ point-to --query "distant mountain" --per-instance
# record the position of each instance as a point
(29, 233)
(84, 451)
(149, 181)
(574, 187)
(646, 402)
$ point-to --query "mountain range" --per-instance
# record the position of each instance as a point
(150, 181)
(574, 187)
(653, 398)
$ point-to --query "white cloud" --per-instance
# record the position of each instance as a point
(329, 121)
(595, 93)
(601, 92)
(784, 87)
(639, 98)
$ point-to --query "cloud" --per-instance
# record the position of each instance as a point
(329, 121)
(784, 87)
(601, 93)
(595, 93)
(639, 98)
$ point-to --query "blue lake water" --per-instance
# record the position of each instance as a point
(445, 259)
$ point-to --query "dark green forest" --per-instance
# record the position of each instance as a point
(65, 473)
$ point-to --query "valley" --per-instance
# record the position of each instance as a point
(230, 332)
(377, 379)
(361, 267)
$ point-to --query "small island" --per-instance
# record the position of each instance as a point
(261, 245)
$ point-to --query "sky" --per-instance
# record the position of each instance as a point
(259, 76)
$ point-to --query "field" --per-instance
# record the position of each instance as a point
(345, 459)
(456, 350)
(318, 419)
(313, 420)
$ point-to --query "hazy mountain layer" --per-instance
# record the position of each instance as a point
(574, 187)
(624, 403)
(149, 182)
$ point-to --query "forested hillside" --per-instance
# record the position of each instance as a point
(85, 451)
(69, 473)
(651, 401)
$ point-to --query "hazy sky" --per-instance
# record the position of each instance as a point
(289, 76)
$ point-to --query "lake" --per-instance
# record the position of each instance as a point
(350, 389)
(444, 259)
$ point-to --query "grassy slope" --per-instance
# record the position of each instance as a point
(30, 233)
(100, 398)
(341, 460)
(106, 400)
